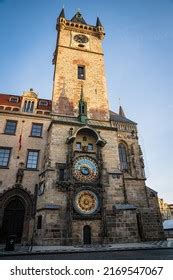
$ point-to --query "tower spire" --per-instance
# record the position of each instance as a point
(98, 23)
(62, 13)
(121, 112)
(82, 107)
(78, 18)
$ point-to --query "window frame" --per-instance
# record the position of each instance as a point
(41, 131)
(28, 106)
(78, 148)
(31, 168)
(123, 153)
(10, 149)
(12, 98)
(12, 121)
(90, 145)
(79, 75)
(43, 103)
(62, 174)
(39, 221)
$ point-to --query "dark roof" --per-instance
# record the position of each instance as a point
(116, 117)
(121, 112)
(78, 18)
(5, 101)
(62, 13)
(98, 23)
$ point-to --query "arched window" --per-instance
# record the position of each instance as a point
(123, 157)
(28, 106)
(24, 106)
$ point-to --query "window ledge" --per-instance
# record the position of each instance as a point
(4, 167)
(31, 169)
(35, 136)
(12, 134)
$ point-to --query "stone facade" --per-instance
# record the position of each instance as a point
(81, 180)
(165, 209)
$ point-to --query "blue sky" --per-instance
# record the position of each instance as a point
(138, 59)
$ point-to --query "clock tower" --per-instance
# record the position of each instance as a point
(92, 183)
(79, 61)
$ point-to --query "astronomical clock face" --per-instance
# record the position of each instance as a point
(86, 202)
(80, 38)
(85, 169)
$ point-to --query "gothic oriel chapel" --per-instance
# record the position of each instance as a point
(71, 170)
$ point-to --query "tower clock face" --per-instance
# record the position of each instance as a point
(85, 169)
(86, 202)
(80, 38)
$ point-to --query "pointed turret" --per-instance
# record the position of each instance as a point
(62, 14)
(78, 18)
(82, 108)
(60, 20)
(121, 112)
(98, 23)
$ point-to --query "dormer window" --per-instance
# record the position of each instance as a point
(28, 106)
(43, 103)
(14, 99)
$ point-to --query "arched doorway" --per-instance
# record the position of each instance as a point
(14, 214)
(87, 235)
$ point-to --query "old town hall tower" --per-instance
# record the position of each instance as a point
(90, 179)
(95, 174)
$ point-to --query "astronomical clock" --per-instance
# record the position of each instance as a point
(85, 169)
(86, 199)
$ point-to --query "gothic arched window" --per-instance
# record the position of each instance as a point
(122, 149)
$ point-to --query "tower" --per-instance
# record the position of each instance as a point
(92, 184)
(79, 61)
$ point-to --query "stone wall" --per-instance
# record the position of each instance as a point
(122, 226)
(151, 224)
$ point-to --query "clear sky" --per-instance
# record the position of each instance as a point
(139, 65)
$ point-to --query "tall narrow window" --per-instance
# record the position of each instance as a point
(39, 222)
(10, 127)
(78, 146)
(81, 72)
(32, 106)
(25, 106)
(61, 174)
(123, 157)
(32, 159)
(90, 147)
